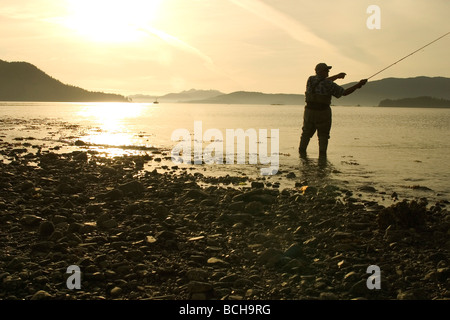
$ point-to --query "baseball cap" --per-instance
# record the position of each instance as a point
(322, 66)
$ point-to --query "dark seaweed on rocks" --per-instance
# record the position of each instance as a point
(405, 214)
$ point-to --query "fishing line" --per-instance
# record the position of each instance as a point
(409, 55)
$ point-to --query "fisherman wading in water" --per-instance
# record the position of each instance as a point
(317, 115)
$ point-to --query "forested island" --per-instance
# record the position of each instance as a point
(22, 81)
(419, 102)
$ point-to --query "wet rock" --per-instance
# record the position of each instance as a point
(46, 228)
(132, 187)
(12, 282)
(135, 255)
(328, 296)
(105, 221)
(309, 190)
(367, 189)
(80, 156)
(350, 279)
(116, 292)
(403, 215)
(299, 231)
(198, 286)
(113, 195)
(166, 235)
(59, 219)
(103, 217)
(359, 288)
(66, 188)
(208, 203)
(94, 208)
(56, 235)
(79, 143)
(87, 228)
(142, 228)
(200, 275)
(109, 171)
(442, 274)
(27, 185)
(196, 194)
(49, 157)
(339, 235)
(419, 187)
(150, 239)
(254, 207)
(300, 184)
(291, 175)
(74, 227)
(122, 268)
(30, 220)
(230, 278)
(261, 195)
(16, 264)
(294, 251)
(270, 257)
(257, 185)
(407, 295)
(41, 295)
(237, 206)
(109, 224)
(292, 265)
(216, 262)
(242, 283)
(393, 235)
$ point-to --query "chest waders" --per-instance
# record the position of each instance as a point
(317, 116)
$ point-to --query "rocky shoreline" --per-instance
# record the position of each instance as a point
(145, 235)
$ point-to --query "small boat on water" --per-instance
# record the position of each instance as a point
(156, 101)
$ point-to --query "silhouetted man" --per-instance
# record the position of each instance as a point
(317, 115)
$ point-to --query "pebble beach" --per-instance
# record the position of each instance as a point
(176, 234)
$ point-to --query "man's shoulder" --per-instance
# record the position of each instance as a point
(327, 83)
(316, 78)
(312, 79)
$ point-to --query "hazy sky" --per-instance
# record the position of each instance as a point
(160, 46)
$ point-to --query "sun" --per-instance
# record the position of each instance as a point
(110, 20)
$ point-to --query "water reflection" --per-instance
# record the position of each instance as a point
(316, 170)
(113, 123)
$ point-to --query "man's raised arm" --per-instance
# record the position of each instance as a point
(353, 88)
(337, 76)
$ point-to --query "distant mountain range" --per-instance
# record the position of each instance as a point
(397, 88)
(178, 97)
(245, 97)
(370, 95)
(22, 81)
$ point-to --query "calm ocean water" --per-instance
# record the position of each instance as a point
(405, 150)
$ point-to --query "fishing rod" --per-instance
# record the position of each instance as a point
(409, 55)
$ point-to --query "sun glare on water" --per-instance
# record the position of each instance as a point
(110, 20)
(110, 121)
